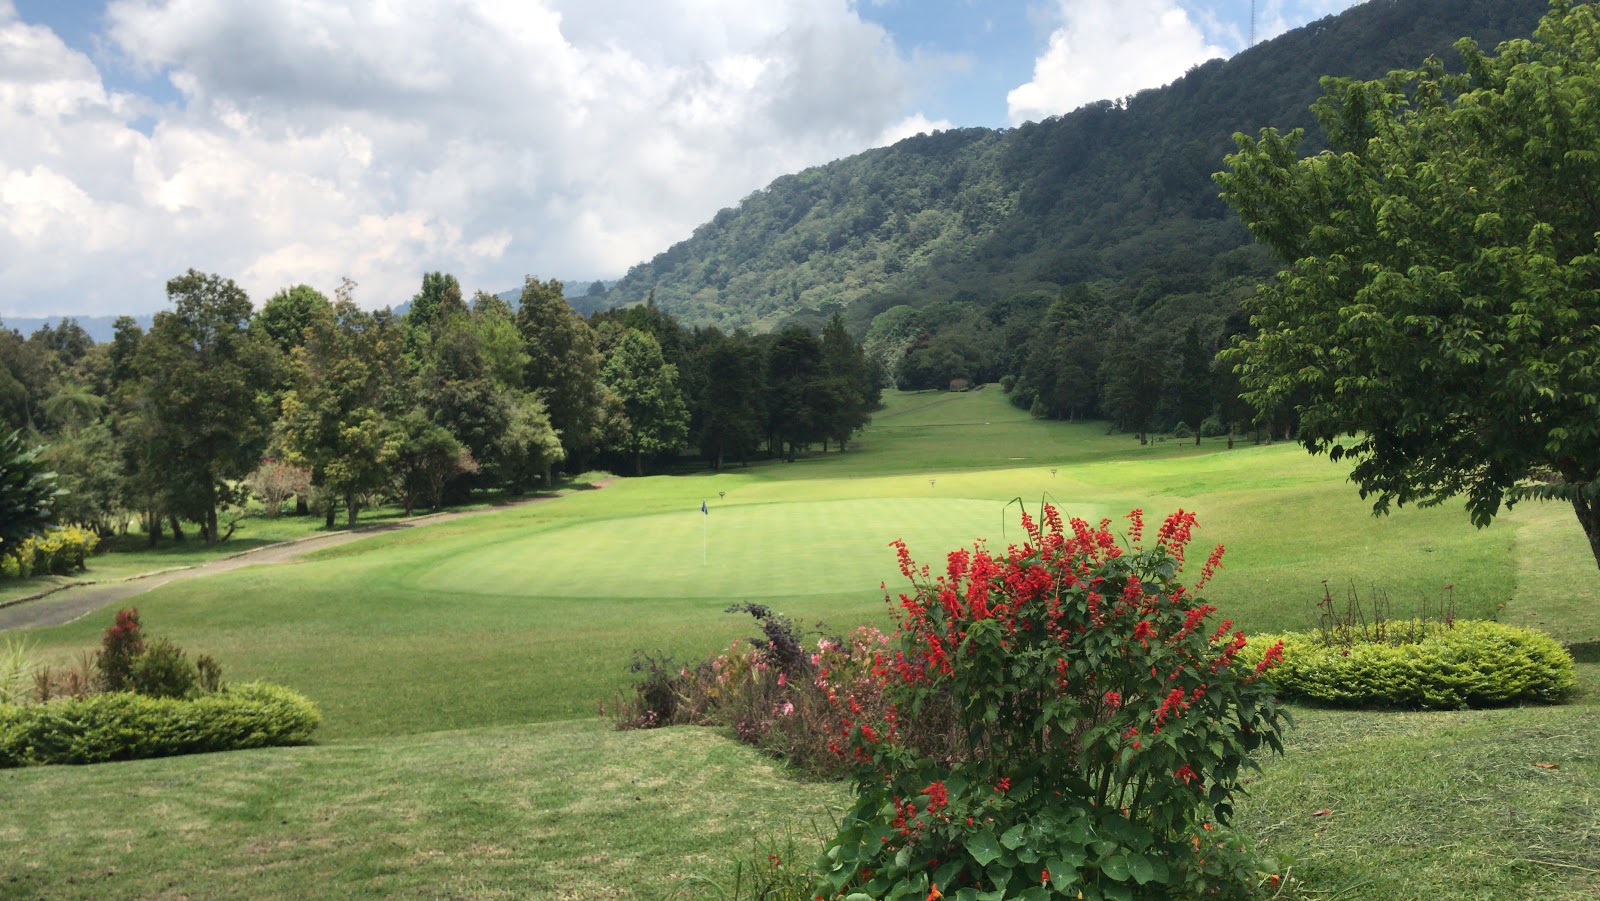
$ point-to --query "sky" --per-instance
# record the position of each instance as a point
(302, 141)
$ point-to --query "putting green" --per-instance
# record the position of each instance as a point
(740, 551)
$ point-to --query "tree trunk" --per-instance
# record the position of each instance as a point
(1197, 438)
(1588, 511)
(211, 525)
(301, 507)
(1232, 428)
(177, 530)
(719, 460)
(327, 517)
(638, 463)
(153, 521)
(351, 507)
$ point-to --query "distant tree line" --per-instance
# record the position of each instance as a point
(1141, 356)
(320, 402)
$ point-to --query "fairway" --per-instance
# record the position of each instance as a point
(511, 627)
(759, 550)
(532, 614)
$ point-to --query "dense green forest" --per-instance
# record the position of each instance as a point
(1086, 259)
(1120, 189)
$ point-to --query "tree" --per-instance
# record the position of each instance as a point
(1134, 373)
(793, 360)
(287, 314)
(202, 375)
(500, 342)
(855, 381)
(731, 388)
(657, 420)
(1061, 365)
(89, 469)
(25, 374)
(1193, 380)
(563, 365)
(27, 492)
(529, 447)
(427, 457)
(275, 481)
(1439, 310)
(333, 418)
(438, 301)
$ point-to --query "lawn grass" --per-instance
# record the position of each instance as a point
(566, 810)
(529, 616)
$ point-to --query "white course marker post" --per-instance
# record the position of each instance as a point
(705, 533)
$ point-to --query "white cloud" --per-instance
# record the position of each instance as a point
(1105, 49)
(382, 138)
(909, 127)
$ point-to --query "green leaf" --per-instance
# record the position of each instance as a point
(948, 873)
(1115, 867)
(1015, 837)
(1063, 875)
(983, 847)
(1140, 868)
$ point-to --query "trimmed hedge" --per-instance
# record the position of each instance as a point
(126, 726)
(1474, 663)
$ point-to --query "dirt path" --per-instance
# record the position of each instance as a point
(65, 605)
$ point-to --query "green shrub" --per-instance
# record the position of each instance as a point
(1470, 663)
(56, 552)
(1102, 728)
(126, 726)
(209, 673)
(1212, 427)
(1182, 430)
(164, 671)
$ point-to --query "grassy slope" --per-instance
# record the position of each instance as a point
(528, 616)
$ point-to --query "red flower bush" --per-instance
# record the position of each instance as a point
(1097, 721)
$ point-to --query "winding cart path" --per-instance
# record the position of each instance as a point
(68, 603)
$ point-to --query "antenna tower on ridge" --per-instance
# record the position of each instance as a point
(1252, 24)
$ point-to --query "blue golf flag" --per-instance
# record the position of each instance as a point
(703, 508)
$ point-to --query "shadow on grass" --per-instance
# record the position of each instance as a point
(1585, 652)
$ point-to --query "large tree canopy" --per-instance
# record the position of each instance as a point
(1440, 316)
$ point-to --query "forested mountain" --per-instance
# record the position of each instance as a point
(1117, 192)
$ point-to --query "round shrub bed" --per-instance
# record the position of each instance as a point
(1471, 663)
(127, 726)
